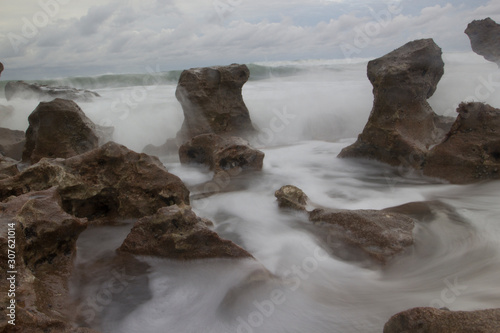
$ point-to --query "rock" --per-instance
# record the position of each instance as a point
(45, 245)
(357, 235)
(12, 143)
(8, 167)
(290, 196)
(109, 181)
(177, 233)
(364, 234)
(21, 89)
(1, 68)
(221, 154)
(432, 320)
(484, 37)
(471, 150)
(402, 126)
(212, 102)
(59, 129)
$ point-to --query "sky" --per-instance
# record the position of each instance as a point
(60, 38)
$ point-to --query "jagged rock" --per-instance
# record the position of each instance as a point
(59, 129)
(471, 150)
(290, 196)
(21, 89)
(402, 126)
(108, 181)
(212, 102)
(45, 245)
(221, 154)
(177, 233)
(362, 234)
(432, 320)
(1, 68)
(12, 143)
(484, 37)
(358, 235)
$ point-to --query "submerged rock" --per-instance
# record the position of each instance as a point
(45, 245)
(21, 89)
(212, 102)
(177, 233)
(108, 181)
(59, 129)
(221, 154)
(484, 37)
(402, 126)
(12, 143)
(471, 150)
(358, 235)
(432, 320)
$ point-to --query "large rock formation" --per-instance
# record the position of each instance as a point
(21, 89)
(431, 320)
(45, 238)
(177, 233)
(471, 149)
(59, 129)
(402, 125)
(212, 102)
(12, 143)
(106, 182)
(221, 154)
(357, 235)
(484, 37)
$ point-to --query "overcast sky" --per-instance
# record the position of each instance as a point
(57, 38)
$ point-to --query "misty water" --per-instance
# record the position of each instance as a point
(305, 119)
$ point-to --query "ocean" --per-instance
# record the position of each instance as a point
(306, 111)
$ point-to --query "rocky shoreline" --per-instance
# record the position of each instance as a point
(65, 173)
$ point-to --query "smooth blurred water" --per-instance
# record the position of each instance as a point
(293, 285)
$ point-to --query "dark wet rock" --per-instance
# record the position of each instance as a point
(59, 129)
(45, 246)
(108, 181)
(232, 155)
(21, 89)
(12, 143)
(361, 234)
(471, 150)
(402, 126)
(290, 196)
(484, 37)
(432, 320)
(212, 102)
(1, 68)
(177, 233)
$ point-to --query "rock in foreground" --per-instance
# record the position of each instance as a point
(21, 89)
(402, 125)
(431, 320)
(177, 233)
(110, 181)
(59, 129)
(12, 143)
(484, 37)
(212, 102)
(221, 154)
(45, 247)
(471, 149)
